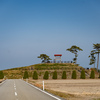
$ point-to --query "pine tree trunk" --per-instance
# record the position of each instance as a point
(94, 65)
(98, 62)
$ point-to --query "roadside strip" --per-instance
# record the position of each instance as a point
(43, 91)
(2, 82)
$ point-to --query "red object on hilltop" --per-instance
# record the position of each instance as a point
(57, 54)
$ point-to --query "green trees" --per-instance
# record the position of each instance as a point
(74, 49)
(1, 75)
(25, 75)
(82, 74)
(64, 75)
(46, 75)
(35, 75)
(54, 75)
(92, 58)
(45, 58)
(92, 75)
(97, 51)
(74, 76)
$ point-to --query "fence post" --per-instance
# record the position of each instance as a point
(43, 85)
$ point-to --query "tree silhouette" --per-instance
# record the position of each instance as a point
(1, 75)
(46, 75)
(92, 58)
(25, 75)
(74, 76)
(74, 49)
(54, 75)
(35, 75)
(45, 58)
(64, 75)
(82, 74)
(92, 75)
(97, 51)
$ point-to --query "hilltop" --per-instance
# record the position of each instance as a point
(16, 73)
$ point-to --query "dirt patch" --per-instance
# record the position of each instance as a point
(74, 89)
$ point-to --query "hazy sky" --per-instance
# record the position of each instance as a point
(29, 28)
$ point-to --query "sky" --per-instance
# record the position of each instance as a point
(29, 28)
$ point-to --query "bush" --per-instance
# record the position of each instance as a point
(54, 75)
(35, 75)
(82, 74)
(64, 75)
(25, 75)
(46, 75)
(99, 75)
(74, 76)
(1, 75)
(92, 75)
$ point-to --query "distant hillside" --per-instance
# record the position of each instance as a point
(16, 73)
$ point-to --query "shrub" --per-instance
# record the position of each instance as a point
(25, 75)
(82, 74)
(1, 75)
(99, 75)
(74, 76)
(54, 75)
(64, 75)
(92, 75)
(46, 75)
(35, 75)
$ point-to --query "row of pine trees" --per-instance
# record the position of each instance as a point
(64, 76)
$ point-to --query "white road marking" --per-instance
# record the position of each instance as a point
(15, 93)
(15, 88)
(43, 91)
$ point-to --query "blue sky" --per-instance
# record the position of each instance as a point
(29, 28)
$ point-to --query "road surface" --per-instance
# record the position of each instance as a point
(16, 89)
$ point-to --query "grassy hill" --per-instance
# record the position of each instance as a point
(16, 73)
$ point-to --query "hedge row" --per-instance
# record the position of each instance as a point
(64, 76)
(54, 68)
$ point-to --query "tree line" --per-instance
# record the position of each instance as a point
(74, 49)
(64, 75)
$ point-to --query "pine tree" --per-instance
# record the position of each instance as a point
(82, 74)
(46, 75)
(1, 75)
(54, 75)
(64, 75)
(35, 75)
(25, 75)
(92, 75)
(74, 76)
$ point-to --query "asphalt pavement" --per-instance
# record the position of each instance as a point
(17, 89)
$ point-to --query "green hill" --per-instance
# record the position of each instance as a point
(16, 73)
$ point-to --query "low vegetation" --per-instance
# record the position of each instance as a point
(35, 75)
(64, 76)
(46, 75)
(74, 76)
(26, 76)
(82, 74)
(64, 71)
(92, 75)
(1, 75)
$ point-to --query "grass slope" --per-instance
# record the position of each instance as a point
(16, 73)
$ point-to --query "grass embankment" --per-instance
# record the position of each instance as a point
(16, 73)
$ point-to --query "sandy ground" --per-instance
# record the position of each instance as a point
(1, 80)
(89, 88)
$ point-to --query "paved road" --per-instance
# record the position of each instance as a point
(18, 90)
